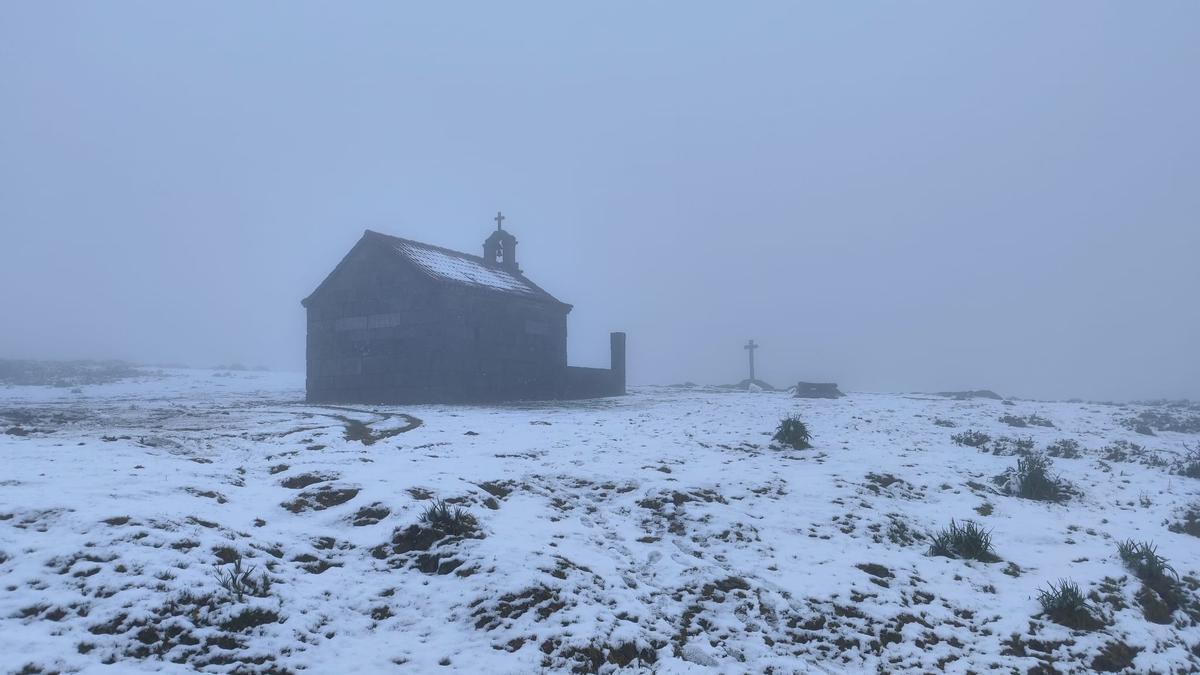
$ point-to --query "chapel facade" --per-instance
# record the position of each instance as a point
(400, 321)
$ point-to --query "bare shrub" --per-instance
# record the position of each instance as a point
(1189, 464)
(1007, 445)
(1065, 448)
(972, 439)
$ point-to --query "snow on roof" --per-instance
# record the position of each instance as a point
(456, 267)
(443, 264)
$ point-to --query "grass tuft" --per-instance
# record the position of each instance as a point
(1032, 480)
(239, 582)
(1143, 560)
(1064, 604)
(968, 541)
(451, 520)
(793, 432)
(1161, 592)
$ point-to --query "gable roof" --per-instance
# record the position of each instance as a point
(444, 265)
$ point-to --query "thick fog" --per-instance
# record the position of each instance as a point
(895, 197)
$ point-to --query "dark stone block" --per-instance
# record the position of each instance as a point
(817, 390)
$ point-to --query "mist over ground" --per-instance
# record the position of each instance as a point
(896, 198)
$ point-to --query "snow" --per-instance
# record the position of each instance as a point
(442, 265)
(663, 521)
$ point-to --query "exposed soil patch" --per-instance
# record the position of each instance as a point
(876, 570)
(542, 600)
(357, 430)
(370, 515)
(321, 499)
(1115, 657)
(209, 494)
(305, 479)
(434, 545)
(498, 489)
(1189, 523)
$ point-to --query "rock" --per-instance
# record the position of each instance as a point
(318, 500)
(747, 384)
(817, 390)
(696, 654)
(976, 393)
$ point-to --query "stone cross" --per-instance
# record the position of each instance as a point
(750, 347)
(499, 220)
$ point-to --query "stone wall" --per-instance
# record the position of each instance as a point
(598, 382)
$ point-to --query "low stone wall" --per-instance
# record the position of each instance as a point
(599, 382)
(818, 390)
(592, 383)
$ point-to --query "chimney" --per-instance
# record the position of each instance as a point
(616, 342)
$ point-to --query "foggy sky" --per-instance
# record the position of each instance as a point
(896, 197)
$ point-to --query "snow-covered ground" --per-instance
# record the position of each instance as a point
(655, 532)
